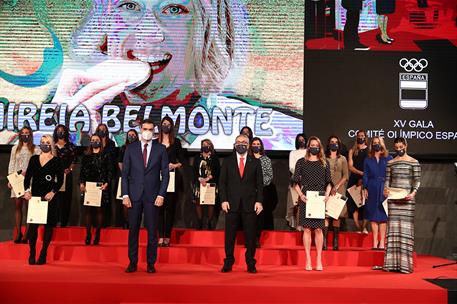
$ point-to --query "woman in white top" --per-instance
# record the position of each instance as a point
(19, 160)
(292, 197)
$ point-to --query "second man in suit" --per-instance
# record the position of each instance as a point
(143, 191)
(240, 190)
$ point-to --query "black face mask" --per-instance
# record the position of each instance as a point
(61, 135)
(400, 152)
(45, 148)
(255, 149)
(376, 147)
(102, 133)
(206, 149)
(314, 150)
(333, 147)
(131, 138)
(165, 129)
(301, 144)
(25, 138)
(241, 149)
(360, 141)
(95, 144)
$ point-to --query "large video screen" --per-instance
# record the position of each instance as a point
(381, 25)
(213, 66)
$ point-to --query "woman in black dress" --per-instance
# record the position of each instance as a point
(312, 173)
(207, 170)
(384, 8)
(96, 166)
(132, 136)
(66, 151)
(176, 159)
(44, 177)
(356, 158)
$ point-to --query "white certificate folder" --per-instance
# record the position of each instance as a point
(93, 195)
(38, 211)
(315, 204)
(335, 205)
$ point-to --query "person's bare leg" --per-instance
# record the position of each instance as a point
(355, 216)
(374, 228)
(307, 245)
(18, 218)
(382, 233)
(319, 240)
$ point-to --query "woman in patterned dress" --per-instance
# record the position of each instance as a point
(19, 159)
(257, 150)
(402, 172)
(312, 173)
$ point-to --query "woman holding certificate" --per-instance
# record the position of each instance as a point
(96, 170)
(374, 170)
(44, 177)
(339, 173)
(207, 170)
(19, 159)
(402, 172)
(356, 157)
(312, 173)
(176, 159)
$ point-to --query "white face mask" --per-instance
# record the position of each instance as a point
(146, 135)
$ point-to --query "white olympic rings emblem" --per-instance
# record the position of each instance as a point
(413, 64)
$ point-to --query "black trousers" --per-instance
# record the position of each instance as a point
(351, 34)
(65, 199)
(167, 215)
(151, 214)
(232, 221)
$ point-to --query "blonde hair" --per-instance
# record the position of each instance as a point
(384, 150)
(220, 39)
(51, 140)
(321, 155)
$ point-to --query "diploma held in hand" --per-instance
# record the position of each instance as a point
(315, 204)
(171, 182)
(17, 183)
(356, 194)
(335, 205)
(394, 194)
(38, 211)
(93, 195)
(119, 189)
(208, 194)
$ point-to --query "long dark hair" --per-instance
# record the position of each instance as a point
(296, 140)
(30, 145)
(171, 135)
(127, 136)
(327, 149)
(251, 135)
(262, 148)
(90, 150)
(65, 129)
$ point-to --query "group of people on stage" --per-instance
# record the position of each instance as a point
(369, 165)
(146, 162)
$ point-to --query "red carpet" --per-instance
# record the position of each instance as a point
(189, 272)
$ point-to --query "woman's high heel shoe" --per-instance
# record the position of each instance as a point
(88, 238)
(380, 40)
(18, 239)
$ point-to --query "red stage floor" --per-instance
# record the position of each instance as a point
(85, 280)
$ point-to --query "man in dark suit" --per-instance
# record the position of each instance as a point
(240, 190)
(144, 191)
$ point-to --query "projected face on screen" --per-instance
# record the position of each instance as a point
(186, 50)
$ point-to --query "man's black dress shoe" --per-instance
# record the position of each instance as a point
(151, 269)
(252, 269)
(131, 268)
(226, 269)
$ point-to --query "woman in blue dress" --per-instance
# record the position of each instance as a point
(374, 169)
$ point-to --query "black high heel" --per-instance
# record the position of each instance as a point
(97, 238)
(32, 260)
(378, 37)
(18, 239)
(88, 238)
(42, 259)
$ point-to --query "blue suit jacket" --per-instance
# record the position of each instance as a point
(136, 179)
